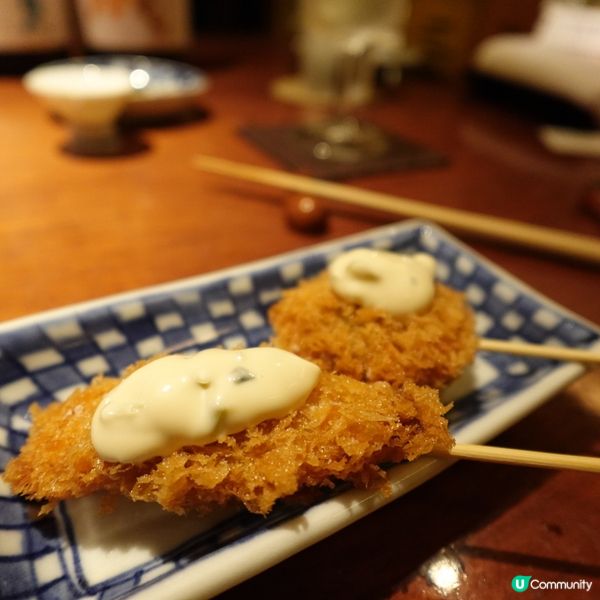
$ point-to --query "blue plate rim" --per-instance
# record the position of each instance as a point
(350, 506)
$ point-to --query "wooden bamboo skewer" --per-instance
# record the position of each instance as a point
(552, 352)
(496, 228)
(525, 458)
(501, 346)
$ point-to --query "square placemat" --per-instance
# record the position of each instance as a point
(293, 147)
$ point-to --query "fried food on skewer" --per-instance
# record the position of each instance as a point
(343, 431)
(430, 345)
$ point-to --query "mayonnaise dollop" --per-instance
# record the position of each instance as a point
(178, 400)
(396, 283)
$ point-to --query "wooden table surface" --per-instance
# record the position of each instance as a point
(74, 228)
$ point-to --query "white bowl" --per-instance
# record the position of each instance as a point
(88, 97)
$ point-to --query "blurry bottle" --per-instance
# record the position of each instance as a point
(32, 32)
(155, 27)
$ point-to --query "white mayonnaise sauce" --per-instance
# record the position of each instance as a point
(178, 400)
(396, 283)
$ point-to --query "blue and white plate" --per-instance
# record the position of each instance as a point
(162, 87)
(143, 552)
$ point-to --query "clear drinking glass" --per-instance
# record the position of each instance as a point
(341, 42)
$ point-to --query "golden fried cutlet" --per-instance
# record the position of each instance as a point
(342, 432)
(431, 347)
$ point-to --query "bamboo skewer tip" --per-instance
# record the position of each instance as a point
(525, 458)
(539, 350)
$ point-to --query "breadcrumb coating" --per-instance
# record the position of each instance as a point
(344, 430)
(431, 347)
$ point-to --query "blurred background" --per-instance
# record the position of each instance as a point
(488, 106)
(445, 40)
(444, 33)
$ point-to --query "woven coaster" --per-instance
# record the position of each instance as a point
(293, 147)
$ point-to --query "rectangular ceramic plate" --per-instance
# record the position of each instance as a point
(143, 552)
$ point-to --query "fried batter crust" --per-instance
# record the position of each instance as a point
(431, 347)
(343, 431)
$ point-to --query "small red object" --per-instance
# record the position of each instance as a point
(306, 214)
